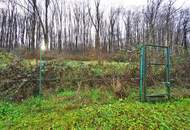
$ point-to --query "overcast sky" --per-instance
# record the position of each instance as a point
(127, 3)
(137, 3)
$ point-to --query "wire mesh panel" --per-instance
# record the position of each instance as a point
(18, 81)
(154, 72)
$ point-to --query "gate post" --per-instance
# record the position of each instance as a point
(142, 59)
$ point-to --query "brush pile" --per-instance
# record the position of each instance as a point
(16, 81)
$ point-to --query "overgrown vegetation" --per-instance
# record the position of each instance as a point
(94, 109)
(88, 95)
(61, 74)
(181, 71)
(5, 59)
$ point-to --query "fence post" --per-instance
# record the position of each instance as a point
(142, 56)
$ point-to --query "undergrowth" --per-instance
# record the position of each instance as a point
(85, 106)
(94, 109)
(5, 59)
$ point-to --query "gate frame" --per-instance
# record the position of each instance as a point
(143, 72)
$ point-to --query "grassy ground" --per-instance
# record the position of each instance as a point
(94, 109)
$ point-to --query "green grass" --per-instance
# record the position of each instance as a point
(94, 109)
(92, 68)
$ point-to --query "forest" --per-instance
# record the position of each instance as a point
(80, 64)
(79, 26)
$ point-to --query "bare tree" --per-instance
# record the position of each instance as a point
(85, 24)
(77, 22)
(3, 28)
(52, 27)
(186, 26)
(33, 25)
(69, 26)
(44, 26)
(127, 18)
(113, 17)
(96, 21)
(151, 14)
(136, 21)
(169, 13)
(59, 7)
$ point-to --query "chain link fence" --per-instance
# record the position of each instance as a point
(18, 82)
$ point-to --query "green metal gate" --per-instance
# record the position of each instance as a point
(146, 63)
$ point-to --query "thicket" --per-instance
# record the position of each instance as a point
(20, 77)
